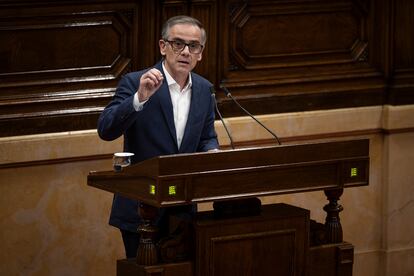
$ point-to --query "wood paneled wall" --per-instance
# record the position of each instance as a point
(60, 61)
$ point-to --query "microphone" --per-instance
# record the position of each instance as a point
(213, 95)
(228, 95)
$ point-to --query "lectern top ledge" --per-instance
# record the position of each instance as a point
(249, 172)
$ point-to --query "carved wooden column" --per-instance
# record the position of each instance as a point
(332, 224)
(147, 251)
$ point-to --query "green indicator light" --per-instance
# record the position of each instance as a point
(172, 190)
(354, 172)
(152, 189)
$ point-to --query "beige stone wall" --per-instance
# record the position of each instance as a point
(51, 222)
(54, 224)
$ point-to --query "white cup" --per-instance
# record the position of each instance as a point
(121, 160)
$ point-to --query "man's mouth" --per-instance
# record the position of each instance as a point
(183, 62)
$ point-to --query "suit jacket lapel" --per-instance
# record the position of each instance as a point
(166, 106)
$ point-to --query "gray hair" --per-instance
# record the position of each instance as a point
(182, 19)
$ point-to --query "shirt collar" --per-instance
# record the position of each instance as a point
(171, 80)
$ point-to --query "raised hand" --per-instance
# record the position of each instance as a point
(149, 83)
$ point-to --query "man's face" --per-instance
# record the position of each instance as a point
(179, 63)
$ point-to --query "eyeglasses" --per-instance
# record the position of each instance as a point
(179, 45)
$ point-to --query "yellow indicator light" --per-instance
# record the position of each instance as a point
(152, 189)
(354, 172)
(172, 190)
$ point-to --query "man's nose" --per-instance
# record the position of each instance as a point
(186, 50)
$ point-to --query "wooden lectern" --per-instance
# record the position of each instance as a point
(234, 239)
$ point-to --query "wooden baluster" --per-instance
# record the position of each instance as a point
(332, 223)
(147, 251)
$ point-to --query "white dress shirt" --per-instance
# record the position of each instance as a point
(180, 99)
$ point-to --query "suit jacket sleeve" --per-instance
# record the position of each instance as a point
(120, 114)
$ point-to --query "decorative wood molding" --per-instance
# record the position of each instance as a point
(402, 84)
(61, 62)
(56, 161)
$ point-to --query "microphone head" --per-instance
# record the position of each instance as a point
(226, 91)
(212, 90)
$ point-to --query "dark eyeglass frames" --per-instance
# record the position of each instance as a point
(179, 45)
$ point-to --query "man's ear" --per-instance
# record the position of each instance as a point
(162, 45)
(200, 56)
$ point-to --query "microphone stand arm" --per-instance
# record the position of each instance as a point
(213, 95)
(228, 94)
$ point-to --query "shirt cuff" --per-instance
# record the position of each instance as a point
(138, 106)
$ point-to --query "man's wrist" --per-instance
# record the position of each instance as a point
(141, 97)
(138, 103)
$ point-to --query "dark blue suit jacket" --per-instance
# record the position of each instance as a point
(151, 131)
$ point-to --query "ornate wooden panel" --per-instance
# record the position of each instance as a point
(278, 51)
(273, 243)
(275, 36)
(62, 63)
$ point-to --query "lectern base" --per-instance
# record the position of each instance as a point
(329, 260)
(129, 267)
(275, 242)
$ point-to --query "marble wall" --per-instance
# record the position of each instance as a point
(54, 224)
